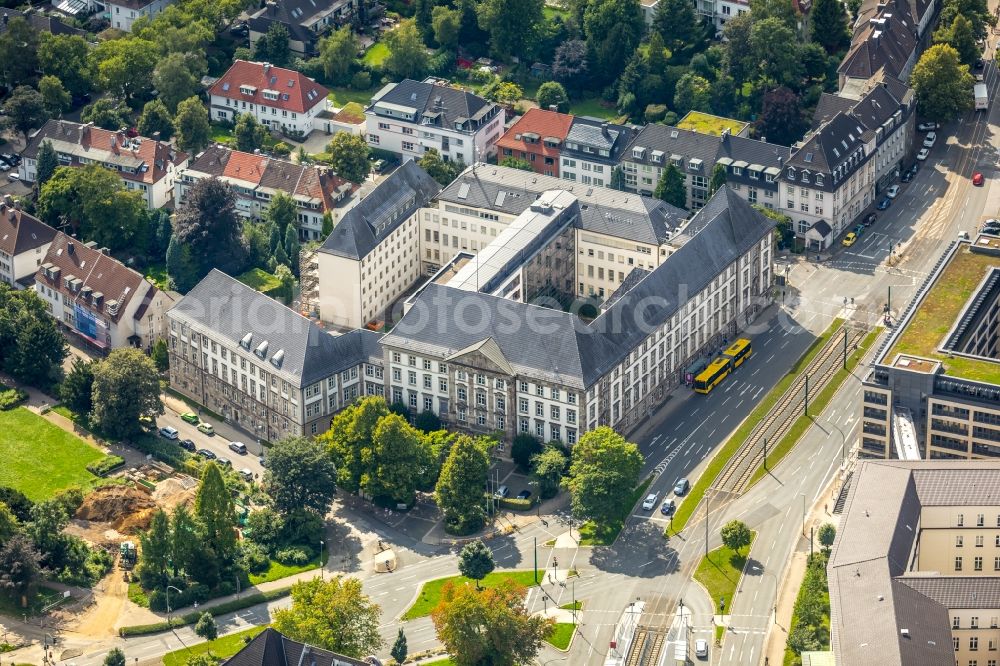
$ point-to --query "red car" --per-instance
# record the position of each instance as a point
(977, 179)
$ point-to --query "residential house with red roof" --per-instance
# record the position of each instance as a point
(256, 179)
(24, 240)
(99, 298)
(537, 137)
(146, 165)
(281, 99)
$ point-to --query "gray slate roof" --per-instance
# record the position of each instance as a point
(828, 106)
(602, 209)
(602, 136)
(826, 149)
(293, 14)
(685, 143)
(380, 213)
(455, 105)
(957, 591)
(271, 648)
(224, 306)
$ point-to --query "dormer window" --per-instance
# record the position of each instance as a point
(791, 173)
(819, 180)
(754, 174)
(805, 177)
(737, 171)
(638, 152)
(247, 90)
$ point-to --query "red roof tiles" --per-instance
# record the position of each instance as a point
(296, 92)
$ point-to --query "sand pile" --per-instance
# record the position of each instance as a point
(127, 509)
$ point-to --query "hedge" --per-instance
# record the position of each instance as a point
(515, 504)
(192, 617)
(105, 465)
(11, 398)
(161, 449)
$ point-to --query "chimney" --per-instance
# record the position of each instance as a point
(604, 129)
(70, 248)
(6, 18)
(12, 216)
(267, 67)
(9, 200)
(105, 251)
(763, 139)
(781, 161)
(114, 143)
(553, 107)
(156, 136)
(85, 131)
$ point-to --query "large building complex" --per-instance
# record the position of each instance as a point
(145, 165)
(263, 366)
(914, 575)
(942, 363)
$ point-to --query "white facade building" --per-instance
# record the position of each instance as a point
(24, 241)
(124, 13)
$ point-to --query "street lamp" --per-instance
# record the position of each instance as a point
(803, 513)
(761, 571)
(321, 559)
(178, 591)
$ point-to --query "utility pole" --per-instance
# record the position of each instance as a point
(535, 539)
(888, 302)
(845, 349)
(807, 396)
(707, 502)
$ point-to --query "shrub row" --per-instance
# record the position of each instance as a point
(192, 617)
(105, 465)
(515, 504)
(161, 449)
(11, 398)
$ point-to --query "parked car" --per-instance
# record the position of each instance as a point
(247, 475)
(187, 445)
(681, 487)
(238, 447)
(524, 494)
(977, 179)
(11, 158)
(922, 155)
(884, 204)
(147, 422)
(224, 462)
(502, 491)
(4, 166)
(930, 139)
(991, 229)
(206, 429)
(980, 63)
(668, 507)
(12, 177)
(860, 230)
(870, 220)
(892, 192)
(701, 648)
(907, 176)
(927, 127)
(206, 454)
(849, 240)
(979, 78)
(379, 166)
(649, 502)
(190, 417)
(168, 432)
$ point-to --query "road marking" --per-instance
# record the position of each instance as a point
(728, 398)
(770, 358)
(678, 426)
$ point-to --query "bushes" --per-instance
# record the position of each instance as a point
(194, 592)
(361, 81)
(105, 465)
(810, 620)
(523, 448)
(293, 556)
(191, 618)
(515, 504)
(161, 449)
(11, 398)
(255, 558)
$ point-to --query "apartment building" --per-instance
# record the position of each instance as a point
(752, 166)
(485, 363)
(98, 298)
(537, 137)
(305, 20)
(887, 39)
(256, 179)
(282, 99)
(592, 151)
(373, 254)
(410, 117)
(948, 384)
(914, 575)
(145, 165)
(829, 180)
(123, 13)
(615, 233)
(713, 12)
(263, 366)
(24, 241)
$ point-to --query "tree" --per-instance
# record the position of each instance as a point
(739, 58)
(604, 470)
(25, 109)
(394, 460)
(552, 93)
(18, 52)
(960, 35)
(249, 132)
(475, 561)
(292, 247)
(570, 65)
(459, 489)
(55, 98)
(692, 93)
(736, 535)
(16, 501)
(181, 266)
(828, 23)
(160, 356)
(427, 421)
(206, 628)
(75, 390)
(125, 66)
(349, 439)
(94, 201)
(774, 59)
(272, 46)
(107, 113)
(613, 29)
(332, 614)
(157, 545)
(339, 52)
(114, 657)
(300, 475)
(617, 179)
(441, 171)
(407, 57)
(671, 188)
(201, 660)
(512, 25)
(977, 11)
(287, 280)
(398, 651)
(718, 178)
(192, 126)
(781, 119)
(676, 23)
(65, 57)
(281, 212)
(213, 506)
(349, 156)
(549, 467)
(9, 525)
(327, 224)
(516, 163)
(827, 535)
(38, 347)
(177, 78)
(47, 163)
(524, 448)
(48, 519)
(504, 92)
(446, 24)
(20, 566)
(490, 626)
(126, 386)
(155, 121)
(209, 226)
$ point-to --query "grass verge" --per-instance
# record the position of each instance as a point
(430, 592)
(277, 570)
(560, 638)
(576, 605)
(720, 572)
(341, 96)
(810, 625)
(221, 648)
(40, 457)
(816, 406)
(137, 595)
(592, 534)
(733, 444)
(218, 609)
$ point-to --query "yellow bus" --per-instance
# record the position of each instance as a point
(713, 374)
(739, 351)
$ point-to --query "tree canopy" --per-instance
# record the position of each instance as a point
(332, 614)
(126, 386)
(942, 83)
(349, 156)
(604, 470)
(300, 475)
(210, 228)
(460, 487)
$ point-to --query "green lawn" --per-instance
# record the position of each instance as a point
(551, 12)
(576, 605)
(221, 134)
(732, 445)
(277, 570)
(259, 279)
(430, 592)
(376, 55)
(158, 274)
(221, 648)
(593, 106)
(41, 458)
(604, 535)
(341, 96)
(720, 573)
(562, 635)
(11, 606)
(440, 662)
(137, 595)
